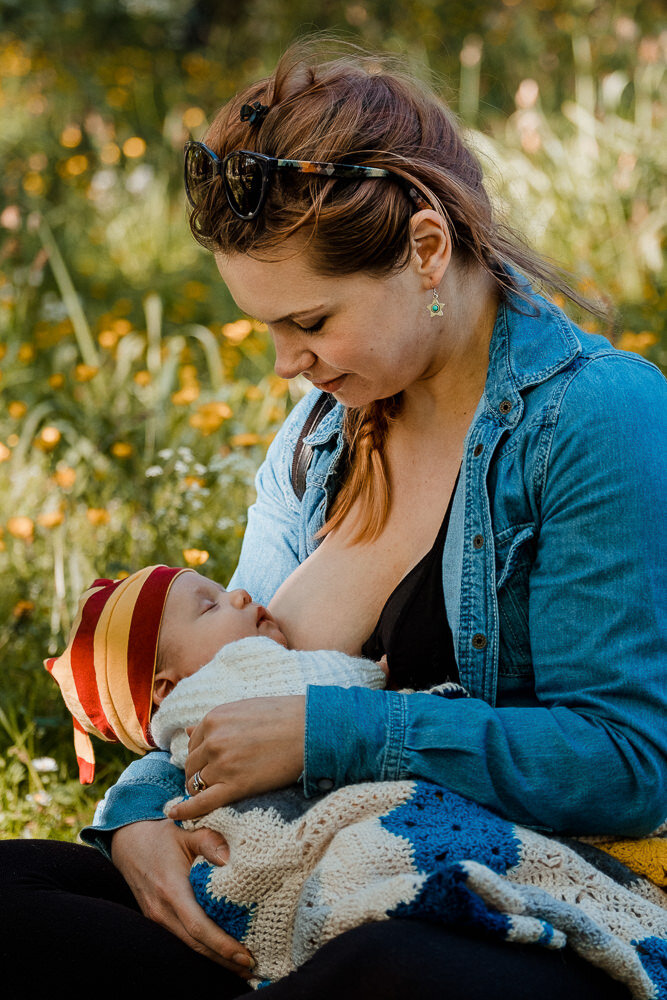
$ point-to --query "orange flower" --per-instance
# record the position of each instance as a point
(121, 449)
(142, 378)
(134, 146)
(195, 557)
(191, 482)
(57, 380)
(26, 352)
(5, 453)
(186, 395)
(51, 519)
(244, 440)
(238, 331)
(21, 527)
(23, 608)
(65, 477)
(637, 342)
(17, 409)
(84, 373)
(48, 438)
(209, 417)
(98, 516)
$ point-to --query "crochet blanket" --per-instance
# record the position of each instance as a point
(303, 871)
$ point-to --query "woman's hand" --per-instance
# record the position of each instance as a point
(154, 858)
(244, 749)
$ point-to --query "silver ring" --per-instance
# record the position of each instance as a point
(198, 783)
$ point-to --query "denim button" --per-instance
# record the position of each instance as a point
(325, 784)
(505, 406)
(478, 541)
(479, 448)
(479, 640)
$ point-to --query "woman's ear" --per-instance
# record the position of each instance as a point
(161, 688)
(431, 246)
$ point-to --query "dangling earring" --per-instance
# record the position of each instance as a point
(435, 308)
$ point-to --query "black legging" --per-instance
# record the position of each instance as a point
(69, 917)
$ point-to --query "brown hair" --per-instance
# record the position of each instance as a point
(362, 109)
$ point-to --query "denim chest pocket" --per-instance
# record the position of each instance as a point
(515, 552)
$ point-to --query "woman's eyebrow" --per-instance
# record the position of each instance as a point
(292, 316)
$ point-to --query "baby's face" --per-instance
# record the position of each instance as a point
(199, 618)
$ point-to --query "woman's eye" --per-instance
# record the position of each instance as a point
(315, 327)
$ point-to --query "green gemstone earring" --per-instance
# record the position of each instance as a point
(435, 308)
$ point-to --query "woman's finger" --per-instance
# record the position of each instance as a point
(203, 802)
(154, 858)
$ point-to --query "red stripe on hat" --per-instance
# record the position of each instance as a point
(143, 641)
(83, 660)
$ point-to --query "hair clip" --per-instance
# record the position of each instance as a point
(253, 113)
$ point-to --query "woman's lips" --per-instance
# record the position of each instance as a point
(331, 386)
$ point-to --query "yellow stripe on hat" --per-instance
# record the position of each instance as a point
(110, 654)
(62, 672)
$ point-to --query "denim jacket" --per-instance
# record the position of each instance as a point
(555, 582)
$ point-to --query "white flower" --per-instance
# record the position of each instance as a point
(165, 454)
(44, 764)
(153, 470)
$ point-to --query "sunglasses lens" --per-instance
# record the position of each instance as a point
(199, 172)
(244, 179)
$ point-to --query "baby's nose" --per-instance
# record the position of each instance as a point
(240, 598)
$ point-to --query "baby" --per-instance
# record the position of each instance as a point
(134, 640)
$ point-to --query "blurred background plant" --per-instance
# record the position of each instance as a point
(135, 403)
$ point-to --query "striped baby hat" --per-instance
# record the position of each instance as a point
(106, 672)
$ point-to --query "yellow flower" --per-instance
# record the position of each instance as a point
(33, 183)
(3, 347)
(192, 482)
(26, 352)
(70, 137)
(637, 342)
(23, 608)
(75, 165)
(65, 477)
(244, 440)
(17, 409)
(57, 380)
(108, 339)
(84, 373)
(193, 117)
(121, 449)
(110, 153)
(121, 326)
(98, 515)
(5, 453)
(21, 527)
(134, 146)
(277, 386)
(142, 377)
(195, 557)
(51, 519)
(186, 395)
(238, 331)
(209, 417)
(253, 392)
(48, 438)
(195, 290)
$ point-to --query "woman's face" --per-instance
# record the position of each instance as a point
(359, 337)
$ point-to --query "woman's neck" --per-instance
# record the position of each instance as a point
(450, 390)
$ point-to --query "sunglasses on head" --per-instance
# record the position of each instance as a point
(246, 176)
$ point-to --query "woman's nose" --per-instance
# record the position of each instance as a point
(239, 598)
(292, 357)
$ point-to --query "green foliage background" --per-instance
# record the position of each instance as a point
(135, 404)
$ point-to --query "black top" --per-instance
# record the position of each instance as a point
(413, 629)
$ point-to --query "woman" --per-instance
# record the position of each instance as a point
(480, 506)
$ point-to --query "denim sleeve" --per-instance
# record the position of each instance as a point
(270, 550)
(139, 794)
(591, 756)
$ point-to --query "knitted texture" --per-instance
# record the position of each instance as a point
(256, 667)
(302, 871)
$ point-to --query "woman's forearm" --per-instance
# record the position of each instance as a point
(553, 768)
